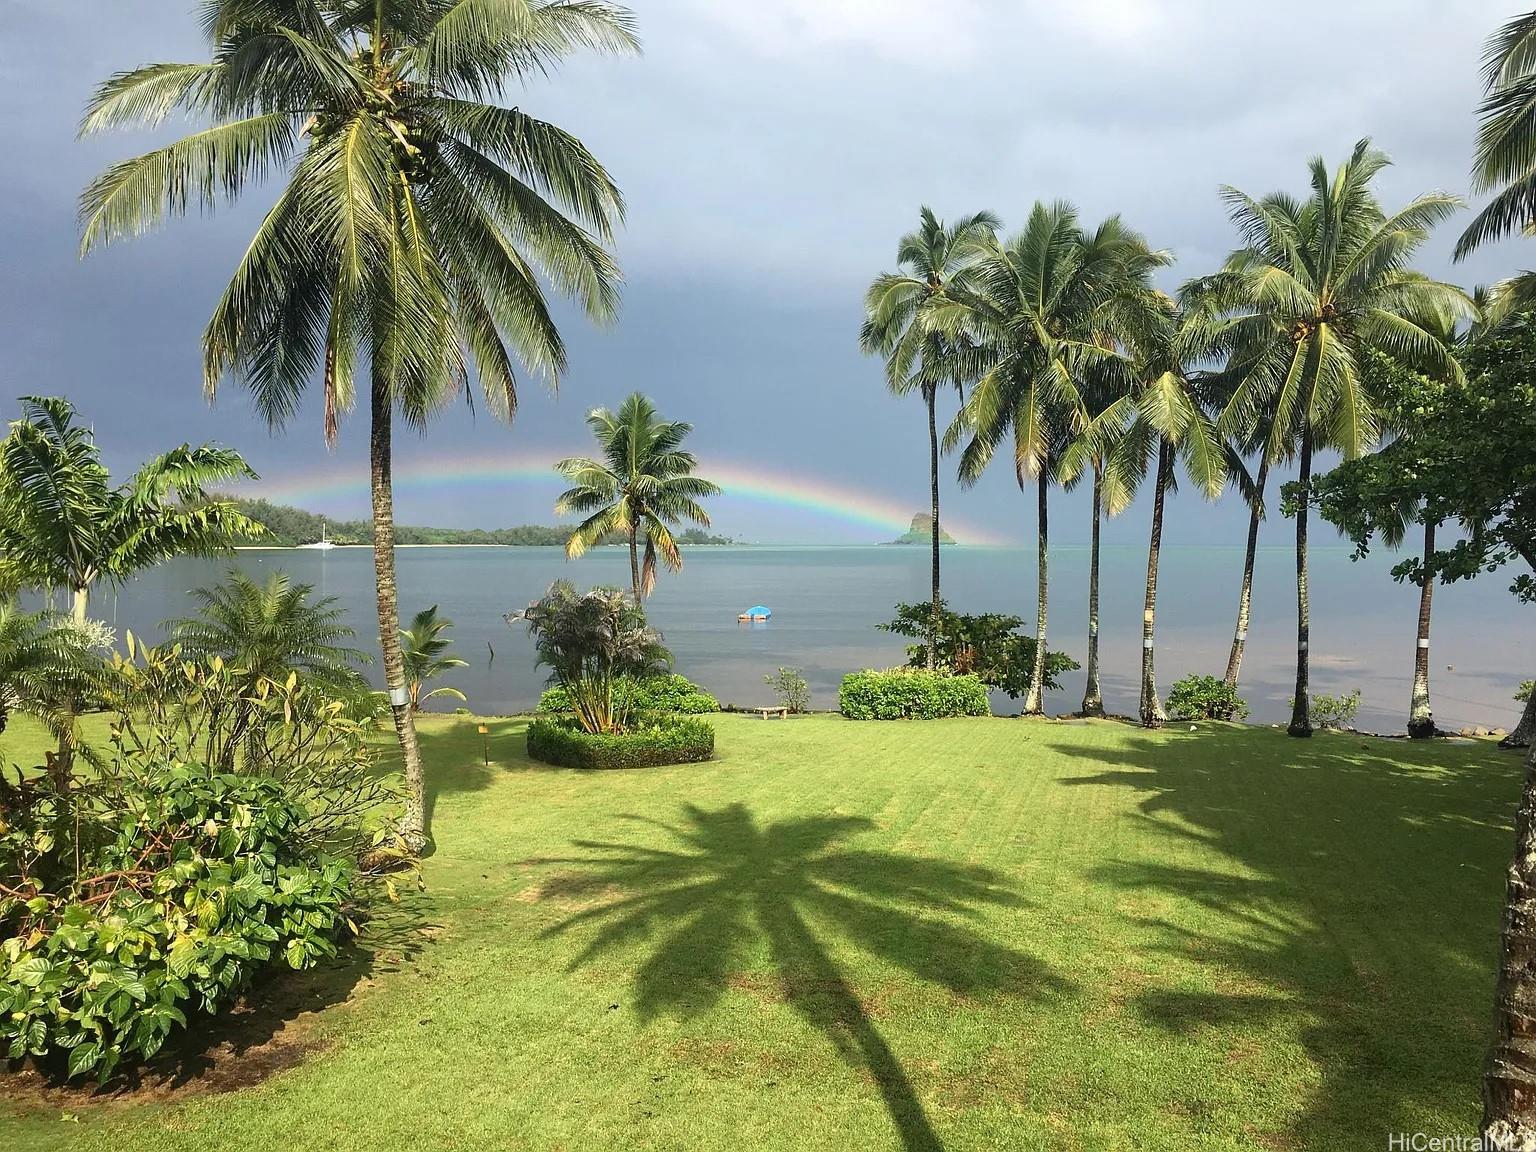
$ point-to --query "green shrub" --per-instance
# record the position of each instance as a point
(789, 685)
(1523, 693)
(990, 645)
(1205, 698)
(660, 740)
(911, 694)
(190, 881)
(666, 693)
(1334, 711)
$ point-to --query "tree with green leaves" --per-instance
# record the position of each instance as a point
(642, 485)
(918, 357)
(426, 656)
(1317, 284)
(64, 525)
(45, 662)
(1034, 312)
(417, 229)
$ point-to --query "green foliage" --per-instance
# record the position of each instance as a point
(63, 524)
(643, 484)
(1336, 711)
(911, 694)
(699, 536)
(592, 642)
(657, 741)
(648, 694)
(788, 684)
(1523, 693)
(190, 881)
(988, 646)
(287, 527)
(424, 646)
(45, 662)
(1205, 698)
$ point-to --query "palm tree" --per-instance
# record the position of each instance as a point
(424, 645)
(1252, 486)
(1318, 283)
(416, 221)
(642, 485)
(44, 664)
(267, 632)
(917, 358)
(1036, 309)
(64, 525)
(1505, 159)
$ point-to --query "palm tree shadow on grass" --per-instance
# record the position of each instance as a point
(732, 881)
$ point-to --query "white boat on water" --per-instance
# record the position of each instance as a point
(321, 545)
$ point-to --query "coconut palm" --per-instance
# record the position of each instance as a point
(64, 525)
(1317, 284)
(417, 218)
(1252, 486)
(918, 358)
(1036, 310)
(642, 485)
(424, 645)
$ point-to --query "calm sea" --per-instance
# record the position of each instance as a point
(827, 601)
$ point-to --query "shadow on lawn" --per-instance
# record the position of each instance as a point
(731, 882)
(1368, 922)
(454, 755)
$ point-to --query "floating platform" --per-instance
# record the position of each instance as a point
(757, 614)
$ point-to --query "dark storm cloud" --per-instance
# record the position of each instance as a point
(771, 154)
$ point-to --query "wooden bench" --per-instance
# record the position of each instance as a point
(781, 713)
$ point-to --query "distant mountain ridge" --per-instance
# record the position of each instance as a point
(921, 531)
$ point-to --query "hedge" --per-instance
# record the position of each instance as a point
(669, 693)
(560, 740)
(911, 694)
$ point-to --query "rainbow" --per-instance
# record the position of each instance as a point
(818, 496)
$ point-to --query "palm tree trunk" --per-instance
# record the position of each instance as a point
(1245, 598)
(1034, 702)
(380, 460)
(1152, 714)
(1525, 731)
(1301, 706)
(931, 395)
(81, 605)
(634, 560)
(1509, 1077)
(1421, 717)
(1093, 695)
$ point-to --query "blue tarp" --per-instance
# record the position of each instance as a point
(759, 610)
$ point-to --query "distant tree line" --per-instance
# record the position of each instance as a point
(288, 527)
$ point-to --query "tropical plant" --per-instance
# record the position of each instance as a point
(1205, 698)
(790, 688)
(415, 221)
(590, 642)
(1038, 309)
(910, 694)
(918, 357)
(658, 693)
(659, 740)
(424, 645)
(1253, 487)
(1317, 284)
(1337, 712)
(988, 645)
(44, 664)
(1524, 692)
(643, 485)
(64, 525)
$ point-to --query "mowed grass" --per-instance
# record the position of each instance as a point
(970, 934)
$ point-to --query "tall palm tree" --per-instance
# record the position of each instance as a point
(425, 655)
(265, 632)
(1317, 284)
(1505, 158)
(1035, 311)
(642, 485)
(65, 525)
(1253, 487)
(918, 358)
(416, 222)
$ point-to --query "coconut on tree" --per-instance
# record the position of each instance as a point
(419, 227)
(641, 487)
(918, 357)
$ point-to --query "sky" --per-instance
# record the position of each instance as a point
(771, 155)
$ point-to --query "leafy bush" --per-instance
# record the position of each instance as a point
(988, 645)
(789, 686)
(662, 740)
(591, 642)
(1205, 698)
(1335, 711)
(1523, 693)
(911, 694)
(665, 693)
(189, 881)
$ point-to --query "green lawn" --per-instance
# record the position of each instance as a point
(970, 934)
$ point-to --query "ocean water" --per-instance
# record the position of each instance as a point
(826, 602)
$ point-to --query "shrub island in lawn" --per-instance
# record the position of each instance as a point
(613, 704)
(911, 694)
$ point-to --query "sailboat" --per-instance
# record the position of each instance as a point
(321, 545)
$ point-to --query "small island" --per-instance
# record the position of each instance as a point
(921, 531)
